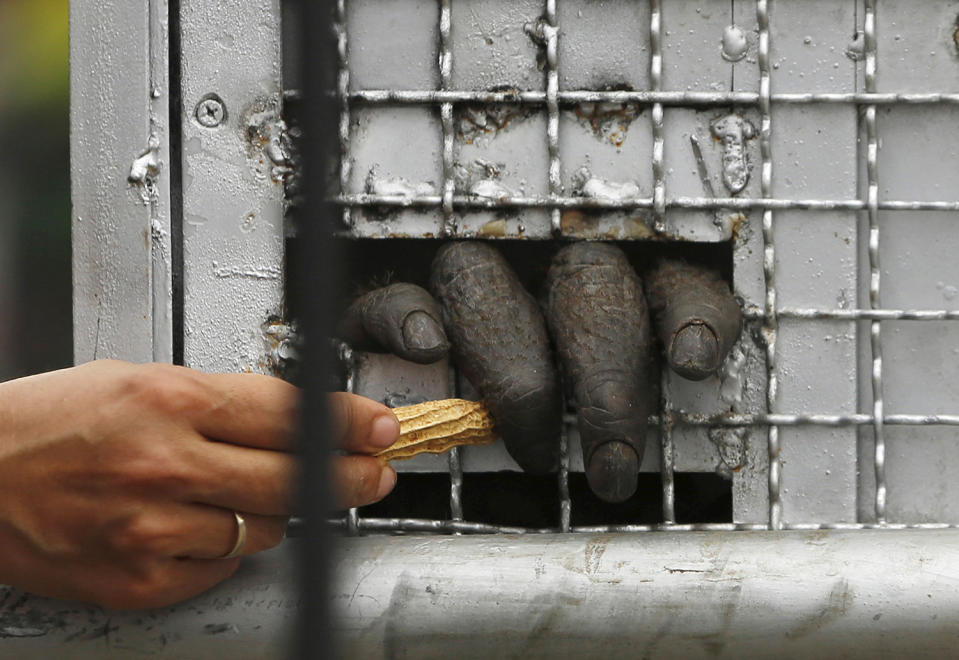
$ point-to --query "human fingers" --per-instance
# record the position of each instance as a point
(361, 425)
(697, 317)
(257, 481)
(598, 319)
(500, 344)
(360, 480)
(244, 409)
(402, 318)
(178, 529)
(261, 411)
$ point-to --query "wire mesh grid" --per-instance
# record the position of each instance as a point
(546, 33)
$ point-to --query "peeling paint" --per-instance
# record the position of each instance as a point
(480, 123)
(608, 121)
(731, 444)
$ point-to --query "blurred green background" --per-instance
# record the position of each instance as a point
(35, 270)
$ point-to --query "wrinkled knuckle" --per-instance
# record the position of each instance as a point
(160, 467)
(140, 535)
(163, 389)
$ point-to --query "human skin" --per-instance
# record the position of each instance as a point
(118, 482)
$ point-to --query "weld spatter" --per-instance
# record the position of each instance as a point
(397, 186)
(733, 131)
(734, 43)
(586, 185)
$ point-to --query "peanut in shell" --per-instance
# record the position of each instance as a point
(438, 426)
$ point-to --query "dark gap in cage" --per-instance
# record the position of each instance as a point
(703, 497)
(372, 263)
(510, 499)
(645, 507)
(416, 495)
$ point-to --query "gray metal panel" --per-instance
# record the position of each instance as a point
(232, 183)
(119, 147)
(815, 154)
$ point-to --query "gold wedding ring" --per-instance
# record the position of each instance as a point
(240, 537)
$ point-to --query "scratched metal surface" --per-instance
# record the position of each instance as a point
(728, 595)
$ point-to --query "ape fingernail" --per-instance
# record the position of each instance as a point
(694, 351)
(697, 317)
(422, 332)
(613, 472)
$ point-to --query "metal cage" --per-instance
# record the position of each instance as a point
(828, 127)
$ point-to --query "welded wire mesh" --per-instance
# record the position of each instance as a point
(765, 317)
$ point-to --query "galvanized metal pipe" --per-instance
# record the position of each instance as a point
(739, 594)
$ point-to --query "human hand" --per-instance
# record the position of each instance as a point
(118, 482)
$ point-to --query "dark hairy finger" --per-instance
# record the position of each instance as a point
(501, 345)
(401, 318)
(697, 318)
(598, 318)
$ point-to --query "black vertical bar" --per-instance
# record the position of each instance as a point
(176, 179)
(317, 273)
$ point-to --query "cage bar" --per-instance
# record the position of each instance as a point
(875, 326)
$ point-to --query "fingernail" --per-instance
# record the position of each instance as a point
(387, 481)
(385, 431)
(694, 353)
(613, 471)
(421, 332)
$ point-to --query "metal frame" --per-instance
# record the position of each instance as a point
(123, 297)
